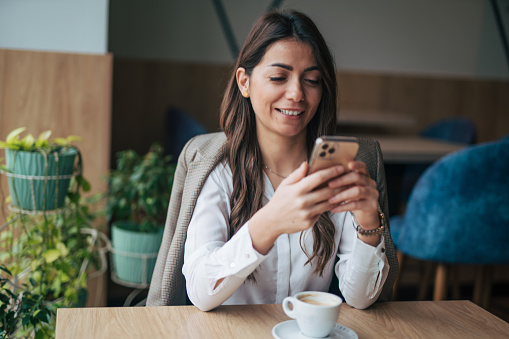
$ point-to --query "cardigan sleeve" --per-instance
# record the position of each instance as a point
(197, 159)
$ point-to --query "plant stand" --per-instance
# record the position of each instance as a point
(59, 240)
(96, 238)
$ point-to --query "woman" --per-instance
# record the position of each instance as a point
(262, 229)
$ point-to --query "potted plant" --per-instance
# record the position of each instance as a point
(138, 195)
(40, 170)
(21, 308)
(49, 254)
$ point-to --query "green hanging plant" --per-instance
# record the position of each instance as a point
(42, 143)
(48, 255)
(44, 163)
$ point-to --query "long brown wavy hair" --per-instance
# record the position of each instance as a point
(237, 120)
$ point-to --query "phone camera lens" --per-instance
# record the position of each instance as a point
(323, 154)
(331, 150)
(324, 146)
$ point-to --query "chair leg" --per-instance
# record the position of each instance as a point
(482, 286)
(440, 291)
(456, 295)
(423, 288)
(402, 264)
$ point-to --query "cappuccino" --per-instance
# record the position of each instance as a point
(311, 299)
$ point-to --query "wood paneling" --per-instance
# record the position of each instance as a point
(143, 90)
(69, 94)
(428, 99)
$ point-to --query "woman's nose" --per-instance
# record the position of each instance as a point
(294, 91)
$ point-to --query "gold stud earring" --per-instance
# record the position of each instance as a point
(246, 94)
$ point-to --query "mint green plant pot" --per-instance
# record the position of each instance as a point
(128, 247)
(27, 193)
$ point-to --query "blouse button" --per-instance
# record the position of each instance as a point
(246, 255)
(232, 265)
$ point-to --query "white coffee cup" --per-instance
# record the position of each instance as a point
(316, 312)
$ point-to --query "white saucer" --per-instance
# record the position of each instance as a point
(290, 330)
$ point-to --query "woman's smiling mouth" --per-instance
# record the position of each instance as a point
(289, 112)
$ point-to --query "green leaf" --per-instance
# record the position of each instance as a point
(15, 134)
(37, 275)
(51, 255)
(39, 334)
(72, 138)
(63, 250)
(85, 185)
(3, 268)
(60, 141)
(74, 197)
(28, 142)
(44, 135)
(42, 141)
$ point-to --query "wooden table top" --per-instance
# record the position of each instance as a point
(407, 319)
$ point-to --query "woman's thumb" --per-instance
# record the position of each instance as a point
(298, 174)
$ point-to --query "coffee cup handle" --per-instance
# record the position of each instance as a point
(289, 312)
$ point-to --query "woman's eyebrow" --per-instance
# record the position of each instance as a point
(290, 68)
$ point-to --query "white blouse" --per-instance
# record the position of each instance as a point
(209, 256)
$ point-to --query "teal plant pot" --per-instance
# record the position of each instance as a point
(26, 193)
(128, 248)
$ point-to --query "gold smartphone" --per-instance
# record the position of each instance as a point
(332, 150)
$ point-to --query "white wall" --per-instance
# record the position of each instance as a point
(75, 26)
(435, 37)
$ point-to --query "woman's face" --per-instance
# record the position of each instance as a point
(285, 89)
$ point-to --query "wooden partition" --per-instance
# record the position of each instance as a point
(428, 99)
(69, 94)
(143, 90)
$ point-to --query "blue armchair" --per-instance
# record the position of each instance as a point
(458, 213)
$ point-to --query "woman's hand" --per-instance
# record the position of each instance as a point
(295, 206)
(358, 193)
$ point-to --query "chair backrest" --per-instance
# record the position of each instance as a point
(458, 212)
(455, 129)
(180, 128)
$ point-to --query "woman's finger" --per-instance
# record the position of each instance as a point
(314, 180)
(358, 166)
(353, 179)
(355, 206)
(297, 174)
(355, 193)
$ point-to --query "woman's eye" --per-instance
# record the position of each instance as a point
(313, 82)
(277, 79)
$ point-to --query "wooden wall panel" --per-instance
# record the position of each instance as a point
(143, 90)
(428, 99)
(69, 94)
